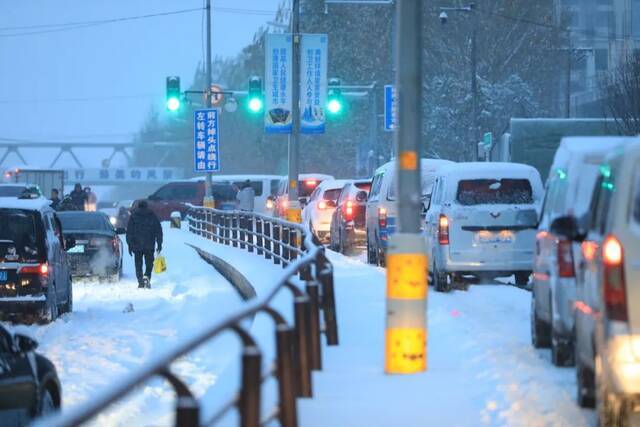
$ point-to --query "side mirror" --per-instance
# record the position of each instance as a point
(69, 242)
(361, 196)
(25, 343)
(567, 226)
(120, 230)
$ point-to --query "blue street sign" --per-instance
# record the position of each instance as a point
(206, 141)
(390, 108)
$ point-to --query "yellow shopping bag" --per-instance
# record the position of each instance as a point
(159, 264)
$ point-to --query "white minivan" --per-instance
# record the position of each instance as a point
(569, 189)
(381, 205)
(482, 222)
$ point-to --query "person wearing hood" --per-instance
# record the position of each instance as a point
(78, 197)
(144, 232)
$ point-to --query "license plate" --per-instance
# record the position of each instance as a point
(488, 237)
(78, 249)
(3, 276)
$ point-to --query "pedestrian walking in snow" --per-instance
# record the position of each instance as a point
(246, 197)
(144, 234)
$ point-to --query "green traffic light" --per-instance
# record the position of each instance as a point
(255, 104)
(334, 106)
(173, 104)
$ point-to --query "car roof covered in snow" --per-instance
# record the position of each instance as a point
(332, 184)
(38, 204)
(586, 149)
(238, 177)
(490, 170)
(434, 164)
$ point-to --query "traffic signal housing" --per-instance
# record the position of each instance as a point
(335, 100)
(255, 100)
(173, 93)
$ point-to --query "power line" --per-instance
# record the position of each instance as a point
(84, 24)
(69, 26)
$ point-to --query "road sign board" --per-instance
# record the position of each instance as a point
(216, 95)
(313, 83)
(278, 88)
(390, 108)
(206, 140)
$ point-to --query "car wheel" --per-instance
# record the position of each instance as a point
(68, 306)
(522, 279)
(440, 282)
(585, 390)
(540, 331)
(52, 308)
(561, 350)
(47, 406)
(371, 254)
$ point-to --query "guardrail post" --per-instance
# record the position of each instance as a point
(276, 244)
(305, 272)
(234, 229)
(324, 271)
(268, 244)
(259, 240)
(243, 225)
(249, 405)
(293, 241)
(302, 346)
(187, 406)
(314, 326)
(250, 234)
(284, 231)
(209, 227)
(212, 225)
(227, 230)
(288, 409)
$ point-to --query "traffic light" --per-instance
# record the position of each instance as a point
(173, 93)
(335, 101)
(255, 100)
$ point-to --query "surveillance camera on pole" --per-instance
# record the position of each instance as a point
(443, 17)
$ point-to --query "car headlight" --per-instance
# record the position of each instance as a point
(113, 220)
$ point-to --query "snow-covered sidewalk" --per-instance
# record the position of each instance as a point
(116, 327)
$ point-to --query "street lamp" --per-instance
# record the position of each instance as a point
(474, 76)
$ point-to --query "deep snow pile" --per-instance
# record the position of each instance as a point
(116, 327)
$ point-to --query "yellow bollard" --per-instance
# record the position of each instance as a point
(208, 202)
(406, 314)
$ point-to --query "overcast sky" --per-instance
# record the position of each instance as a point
(46, 78)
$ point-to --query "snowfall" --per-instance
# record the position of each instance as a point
(482, 369)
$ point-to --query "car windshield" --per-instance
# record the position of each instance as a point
(84, 221)
(11, 190)
(19, 236)
(492, 192)
(332, 194)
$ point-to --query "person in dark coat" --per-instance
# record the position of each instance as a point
(78, 197)
(55, 199)
(144, 232)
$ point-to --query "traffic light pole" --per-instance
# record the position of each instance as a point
(208, 198)
(293, 210)
(406, 333)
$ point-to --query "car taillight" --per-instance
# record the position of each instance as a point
(269, 204)
(311, 183)
(382, 217)
(565, 259)
(322, 205)
(115, 244)
(443, 230)
(348, 210)
(615, 295)
(41, 269)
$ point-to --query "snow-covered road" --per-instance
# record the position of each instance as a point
(482, 368)
(103, 338)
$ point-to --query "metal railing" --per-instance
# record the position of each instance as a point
(297, 346)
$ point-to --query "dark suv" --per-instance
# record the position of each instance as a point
(34, 273)
(348, 223)
(29, 384)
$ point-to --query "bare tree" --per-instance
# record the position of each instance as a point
(620, 89)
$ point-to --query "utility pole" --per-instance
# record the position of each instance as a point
(293, 210)
(406, 334)
(474, 82)
(208, 194)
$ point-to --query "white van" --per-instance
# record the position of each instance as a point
(556, 260)
(482, 221)
(265, 186)
(381, 205)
